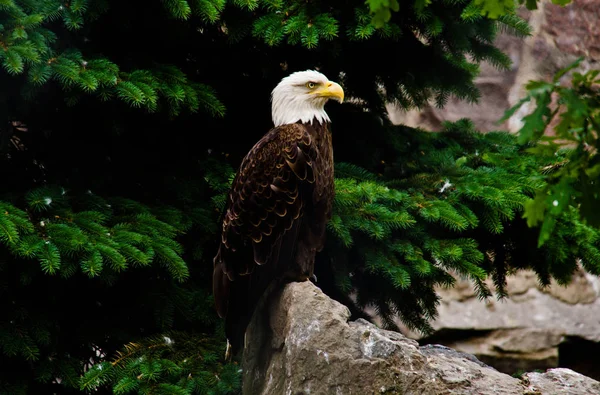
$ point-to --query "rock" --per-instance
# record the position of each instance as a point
(513, 350)
(302, 343)
(574, 29)
(560, 381)
(583, 289)
(572, 310)
(525, 331)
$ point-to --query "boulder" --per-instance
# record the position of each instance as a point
(571, 310)
(301, 342)
(533, 328)
(513, 350)
(560, 381)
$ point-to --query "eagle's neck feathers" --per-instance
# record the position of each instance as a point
(288, 109)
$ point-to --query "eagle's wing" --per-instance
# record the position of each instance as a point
(266, 200)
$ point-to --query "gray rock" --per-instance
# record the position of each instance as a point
(512, 350)
(560, 381)
(525, 330)
(571, 311)
(302, 343)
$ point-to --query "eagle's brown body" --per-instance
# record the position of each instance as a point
(275, 220)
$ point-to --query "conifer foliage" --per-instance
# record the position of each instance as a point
(79, 238)
(171, 363)
(116, 159)
(65, 240)
(31, 47)
(447, 202)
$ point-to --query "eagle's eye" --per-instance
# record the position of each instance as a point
(310, 85)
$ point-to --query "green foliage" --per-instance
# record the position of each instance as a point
(381, 10)
(495, 8)
(77, 238)
(455, 209)
(170, 363)
(37, 51)
(298, 26)
(532, 4)
(87, 241)
(29, 46)
(99, 243)
(573, 124)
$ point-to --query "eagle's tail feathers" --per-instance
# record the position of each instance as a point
(221, 288)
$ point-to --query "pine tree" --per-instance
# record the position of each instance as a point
(116, 158)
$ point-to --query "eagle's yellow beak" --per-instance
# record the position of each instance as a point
(331, 90)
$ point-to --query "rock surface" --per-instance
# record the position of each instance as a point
(572, 311)
(560, 381)
(531, 329)
(302, 343)
(513, 350)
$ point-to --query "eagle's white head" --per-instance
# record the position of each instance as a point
(301, 96)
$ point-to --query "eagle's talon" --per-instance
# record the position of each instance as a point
(313, 278)
(228, 352)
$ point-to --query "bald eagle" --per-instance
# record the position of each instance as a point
(279, 203)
